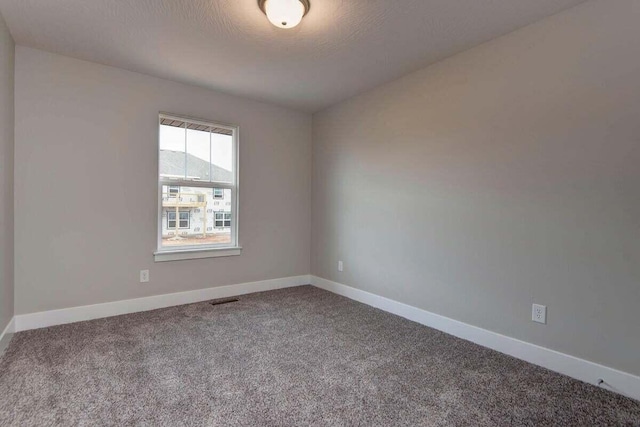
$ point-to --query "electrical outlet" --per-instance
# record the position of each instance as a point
(340, 266)
(144, 276)
(539, 313)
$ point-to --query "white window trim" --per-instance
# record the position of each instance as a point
(192, 252)
(178, 255)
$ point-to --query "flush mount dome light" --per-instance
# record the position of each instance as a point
(285, 13)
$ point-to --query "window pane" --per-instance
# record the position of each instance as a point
(198, 154)
(172, 152)
(221, 157)
(193, 216)
(201, 222)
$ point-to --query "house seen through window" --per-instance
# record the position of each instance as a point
(197, 165)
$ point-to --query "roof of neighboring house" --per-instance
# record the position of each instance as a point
(172, 164)
(184, 123)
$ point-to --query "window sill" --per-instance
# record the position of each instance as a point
(196, 254)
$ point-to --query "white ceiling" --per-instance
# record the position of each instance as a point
(341, 48)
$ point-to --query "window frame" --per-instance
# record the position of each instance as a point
(173, 253)
(172, 194)
(180, 212)
(224, 219)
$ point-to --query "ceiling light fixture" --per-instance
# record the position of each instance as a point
(285, 13)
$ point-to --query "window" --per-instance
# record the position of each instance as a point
(174, 191)
(223, 219)
(198, 165)
(171, 219)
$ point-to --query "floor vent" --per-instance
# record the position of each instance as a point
(224, 301)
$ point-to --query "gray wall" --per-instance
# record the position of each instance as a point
(506, 175)
(86, 185)
(6, 175)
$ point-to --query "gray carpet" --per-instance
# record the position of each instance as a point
(292, 357)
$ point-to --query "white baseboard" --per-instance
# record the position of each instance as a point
(583, 370)
(6, 335)
(44, 319)
(580, 369)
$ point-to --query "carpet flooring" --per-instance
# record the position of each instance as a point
(291, 357)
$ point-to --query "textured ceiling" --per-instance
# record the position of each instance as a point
(341, 48)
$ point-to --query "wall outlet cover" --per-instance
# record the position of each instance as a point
(539, 313)
(144, 276)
